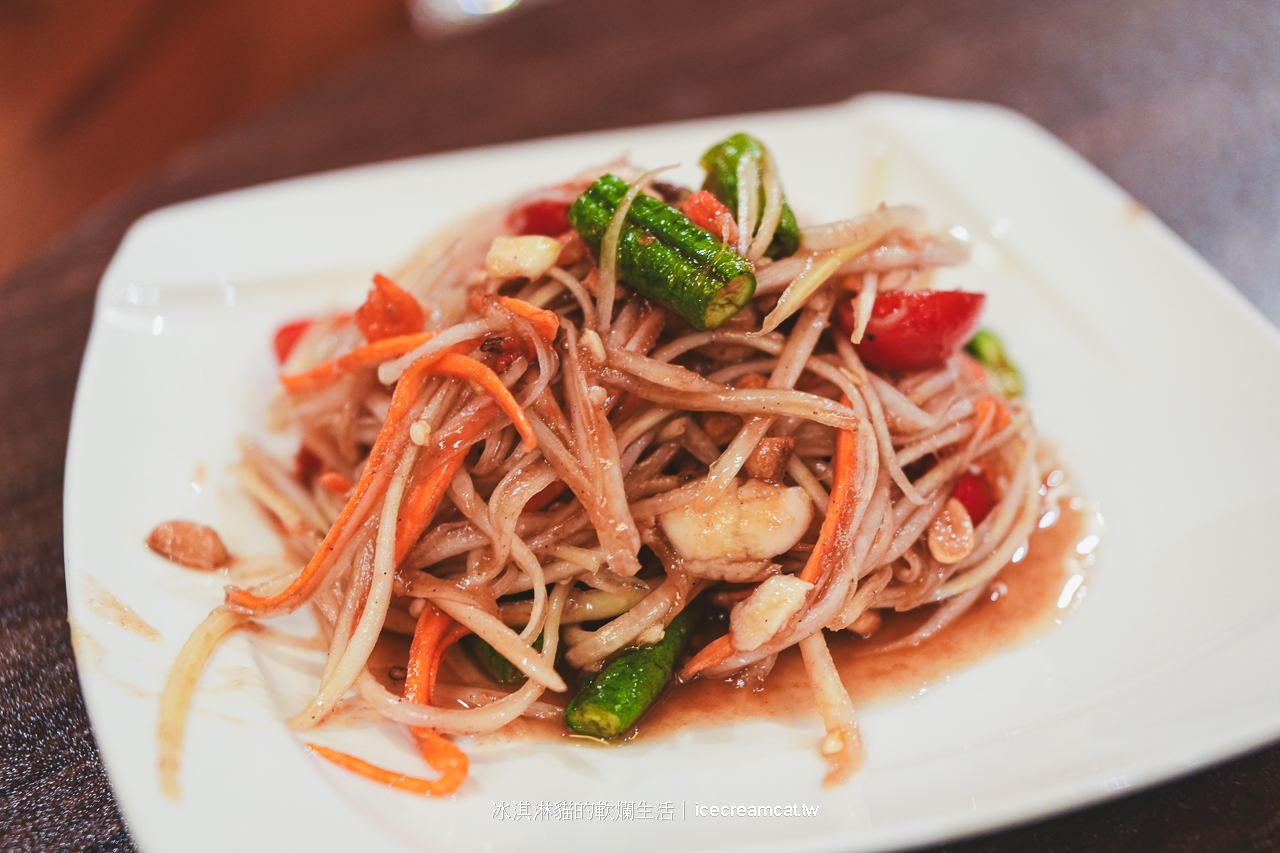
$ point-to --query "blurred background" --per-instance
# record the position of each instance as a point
(93, 95)
(112, 108)
(1175, 99)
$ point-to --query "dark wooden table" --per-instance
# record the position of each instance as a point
(1179, 101)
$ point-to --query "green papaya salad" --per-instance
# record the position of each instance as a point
(619, 435)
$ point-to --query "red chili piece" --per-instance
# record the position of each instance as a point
(706, 211)
(389, 312)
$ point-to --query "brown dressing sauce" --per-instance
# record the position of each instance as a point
(391, 650)
(89, 652)
(91, 655)
(113, 611)
(1020, 604)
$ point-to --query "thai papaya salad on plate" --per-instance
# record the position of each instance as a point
(620, 435)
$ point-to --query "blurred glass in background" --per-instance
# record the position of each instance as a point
(439, 17)
(96, 97)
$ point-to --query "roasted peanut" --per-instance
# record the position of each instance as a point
(189, 544)
(951, 536)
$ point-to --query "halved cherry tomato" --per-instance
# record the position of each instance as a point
(546, 217)
(389, 311)
(287, 337)
(707, 212)
(973, 491)
(913, 330)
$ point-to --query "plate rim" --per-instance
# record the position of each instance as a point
(1034, 805)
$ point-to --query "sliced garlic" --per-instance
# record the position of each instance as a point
(529, 256)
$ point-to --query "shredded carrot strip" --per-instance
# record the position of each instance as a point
(465, 367)
(448, 363)
(435, 633)
(335, 482)
(546, 322)
(429, 484)
(455, 633)
(1001, 419)
(365, 356)
(421, 504)
(303, 586)
(712, 654)
(419, 680)
(441, 754)
(445, 757)
(841, 491)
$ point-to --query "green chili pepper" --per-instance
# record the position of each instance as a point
(499, 668)
(664, 256)
(986, 348)
(721, 162)
(608, 704)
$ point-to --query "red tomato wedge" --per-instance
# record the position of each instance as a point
(287, 337)
(973, 491)
(389, 312)
(548, 218)
(914, 330)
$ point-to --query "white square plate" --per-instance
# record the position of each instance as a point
(1151, 373)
